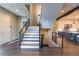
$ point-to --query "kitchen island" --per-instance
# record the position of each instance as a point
(73, 36)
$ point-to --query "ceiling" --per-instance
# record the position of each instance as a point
(48, 10)
(67, 7)
(50, 13)
(18, 9)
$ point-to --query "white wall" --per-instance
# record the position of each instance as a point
(14, 27)
(4, 27)
(72, 18)
(8, 26)
(67, 7)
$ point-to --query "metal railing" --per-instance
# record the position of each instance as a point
(28, 7)
(24, 29)
(54, 37)
(41, 40)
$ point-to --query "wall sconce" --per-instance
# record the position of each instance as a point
(73, 21)
(62, 11)
(76, 17)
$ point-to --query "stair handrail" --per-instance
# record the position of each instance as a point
(28, 7)
(24, 29)
(39, 34)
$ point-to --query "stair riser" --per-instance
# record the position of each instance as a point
(30, 39)
(31, 35)
(33, 29)
(30, 42)
(29, 46)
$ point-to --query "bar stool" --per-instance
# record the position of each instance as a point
(77, 39)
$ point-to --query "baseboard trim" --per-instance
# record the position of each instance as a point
(17, 39)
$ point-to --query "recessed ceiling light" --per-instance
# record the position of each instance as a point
(62, 11)
(17, 10)
(76, 17)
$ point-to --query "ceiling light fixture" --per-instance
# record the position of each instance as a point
(76, 17)
(17, 10)
(62, 11)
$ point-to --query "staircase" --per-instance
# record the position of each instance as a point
(31, 39)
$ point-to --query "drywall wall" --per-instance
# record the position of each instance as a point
(72, 19)
(67, 7)
(8, 26)
(4, 26)
(33, 12)
(14, 27)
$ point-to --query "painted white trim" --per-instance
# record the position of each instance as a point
(10, 42)
(30, 39)
(30, 42)
(32, 33)
(29, 46)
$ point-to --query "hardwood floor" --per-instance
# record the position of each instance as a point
(70, 49)
(13, 50)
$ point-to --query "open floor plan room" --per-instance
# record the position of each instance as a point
(30, 29)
